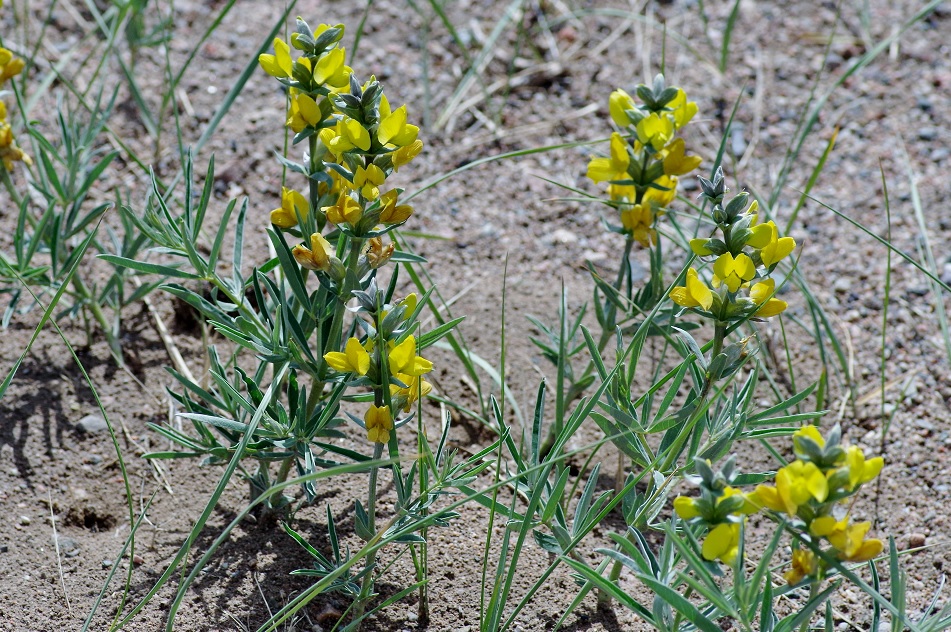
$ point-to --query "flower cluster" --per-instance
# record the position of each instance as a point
(646, 156)
(720, 507)
(394, 365)
(810, 492)
(356, 140)
(10, 152)
(744, 255)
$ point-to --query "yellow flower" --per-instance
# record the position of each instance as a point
(292, 205)
(776, 247)
(798, 482)
(698, 246)
(661, 199)
(354, 358)
(404, 155)
(655, 130)
(346, 135)
(368, 180)
(394, 128)
(379, 422)
(391, 212)
(618, 102)
(733, 271)
(637, 220)
(614, 167)
(377, 254)
(849, 540)
(279, 64)
(304, 113)
(694, 293)
(345, 211)
(403, 359)
(808, 431)
(686, 507)
(9, 151)
(416, 389)
(804, 564)
(676, 163)
(317, 257)
(722, 543)
(761, 293)
(861, 470)
(682, 110)
(331, 69)
(10, 66)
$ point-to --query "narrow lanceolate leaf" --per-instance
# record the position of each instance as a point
(151, 268)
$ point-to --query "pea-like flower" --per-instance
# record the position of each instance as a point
(681, 109)
(10, 66)
(345, 211)
(848, 540)
(774, 248)
(354, 358)
(416, 388)
(655, 130)
(379, 422)
(762, 294)
(733, 271)
(637, 220)
(346, 135)
(694, 293)
(861, 470)
(618, 104)
(279, 64)
(293, 204)
(404, 155)
(676, 162)
(394, 130)
(304, 113)
(796, 484)
(613, 167)
(319, 256)
(403, 359)
(368, 181)
(392, 212)
(804, 564)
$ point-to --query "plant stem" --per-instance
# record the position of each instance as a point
(8, 184)
(86, 296)
(367, 585)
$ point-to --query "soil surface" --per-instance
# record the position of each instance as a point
(65, 516)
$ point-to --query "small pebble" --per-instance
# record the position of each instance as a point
(916, 540)
(107, 563)
(25, 520)
(92, 424)
(138, 560)
(927, 133)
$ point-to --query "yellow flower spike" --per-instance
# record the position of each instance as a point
(404, 155)
(734, 271)
(637, 220)
(804, 564)
(292, 204)
(279, 64)
(722, 543)
(686, 507)
(354, 358)
(682, 110)
(614, 167)
(345, 211)
(618, 102)
(658, 198)
(394, 129)
(694, 293)
(861, 470)
(391, 212)
(777, 248)
(317, 257)
(379, 422)
(368, 180)
(655, 130)
(403, 359)
(676, 163)
(761, 293)
(331, 70)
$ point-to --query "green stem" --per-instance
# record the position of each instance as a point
(96, 309)
(813, 591)
(367, 586)
(8, 183)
